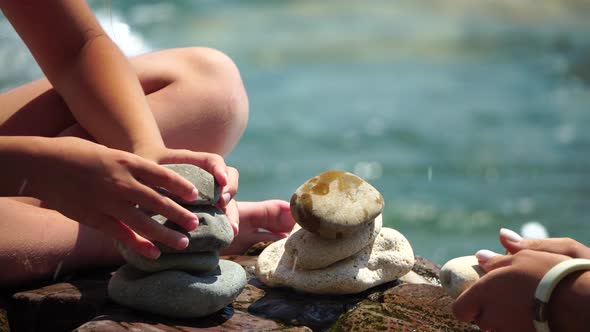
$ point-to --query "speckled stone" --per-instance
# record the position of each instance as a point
(213, 233)
(310, 251)
(460, 273)
(178, 294)
(197, 262)
(209, 190)
(389, 258)
(335, 204)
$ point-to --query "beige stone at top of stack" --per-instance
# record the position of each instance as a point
(336, 204)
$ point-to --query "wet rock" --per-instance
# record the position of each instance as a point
(405, 307)
(335, 204)
(58, 307)
(227, 320)
(427, 269)
(4, 325)
(83, 303)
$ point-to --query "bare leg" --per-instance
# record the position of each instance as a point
(38, 243)
(273, 216)
(199, 102)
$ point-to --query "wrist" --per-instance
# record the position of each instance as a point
(151, 151)
(568, 310)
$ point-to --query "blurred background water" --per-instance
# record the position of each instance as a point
(467, 115)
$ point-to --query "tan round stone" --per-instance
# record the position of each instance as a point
(310, 251)
(460, 273)
(335, 204)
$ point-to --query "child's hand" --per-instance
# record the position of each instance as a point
(227, 177)
(210, 162)
(227, 202)
(502, 300)
(102, 187)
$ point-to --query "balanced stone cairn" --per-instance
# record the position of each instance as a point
(192, 282)
(342, 247)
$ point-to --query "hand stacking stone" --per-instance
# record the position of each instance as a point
(458, 274)
(342, 247)
(189, 283)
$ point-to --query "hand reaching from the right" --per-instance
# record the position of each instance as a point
(102, 187)
(562, 246)
(502, 300)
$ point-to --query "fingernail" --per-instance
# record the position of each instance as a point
(226, 198)
(510, 235)
(485, 255)
(155, 253)
(194, 194)
(182, 242)
(192, 224)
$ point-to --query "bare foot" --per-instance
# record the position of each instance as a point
(274, 216)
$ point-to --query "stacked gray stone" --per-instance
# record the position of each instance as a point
(190, 283)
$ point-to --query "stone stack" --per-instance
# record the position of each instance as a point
(341, 247)
(190, 283)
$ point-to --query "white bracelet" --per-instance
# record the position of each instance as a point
(548, 284)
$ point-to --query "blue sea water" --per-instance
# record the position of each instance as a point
(467, 115)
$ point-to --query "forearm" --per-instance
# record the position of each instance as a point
(87, 69)
(105, 96)
(568, 306)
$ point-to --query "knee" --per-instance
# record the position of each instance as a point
(217, 81)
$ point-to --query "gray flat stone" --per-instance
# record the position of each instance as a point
(205, 183)
(197, 262)
(176, 293)
(214, 231)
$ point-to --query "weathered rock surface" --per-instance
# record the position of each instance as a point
(236, 321)
(335, 204)
(83, 303)
(4, 325)
(177, 293)
(460, 273)
(195, 262)
(59, 307)
(310, 251)
(205, 183)
(214, 231)
(389, 258)
(407, 307)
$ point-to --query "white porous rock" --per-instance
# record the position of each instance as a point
(387, 259)
(458, 274)
(335, 204)
(309, 251)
